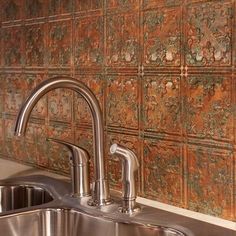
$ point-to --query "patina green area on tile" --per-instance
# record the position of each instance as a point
(164, 74)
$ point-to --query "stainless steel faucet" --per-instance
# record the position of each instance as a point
(100, 192)
(130, 165)
(79, 162)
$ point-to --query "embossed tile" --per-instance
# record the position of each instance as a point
(208, 107)
(162, 104)
(31, 81)
(14, 93)
(89, 41)
(114, 164)
(60, 43)
(158, 3)
(35, 44)
(122, 102)
(209, 34)
(162, 163)
(82, 113)
(12, 50)
(122, 37)
(35, 8)
(57, 7)
(57, 154)
(88, 5)
(162, 35)
(60, 105)
(11, 10)
(210, 181)
(123, 5)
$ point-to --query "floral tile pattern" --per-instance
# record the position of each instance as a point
(162, 37)
(209, 34)
(163, 72)
(122, 106)
(122, 40)
(162, 104)
(60, 46)
(209, 107)
(163, 171)
(210, 181)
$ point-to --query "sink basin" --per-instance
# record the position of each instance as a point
(14, 197)
(68, 222)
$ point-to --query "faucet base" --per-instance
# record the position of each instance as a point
(129, 207)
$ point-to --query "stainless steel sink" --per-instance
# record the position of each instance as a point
(68, 222)
(14, 197)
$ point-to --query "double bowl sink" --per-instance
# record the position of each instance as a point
(28, 207)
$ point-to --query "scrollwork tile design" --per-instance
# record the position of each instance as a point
(122, 40)
(210, 181)
(163, 171)
(60, 45)
(35, 44)
(89, 41)
(209, 34)
(162, 37)
(162, 104)
(122, 101)
(208, 107)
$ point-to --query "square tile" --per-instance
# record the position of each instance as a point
(60, 43)
(122, 5)
(35, 41)
(208, 107)
(162, 104)
(89, 39)
(88, 5)
(209, 34)
(12, 46)
(82, 113)
(162, 171)
(162, 37)
(57, 7)
(210, 181)
(122, 102)
(158, 3)
(11, 10)
(122, 37)
(35, 8)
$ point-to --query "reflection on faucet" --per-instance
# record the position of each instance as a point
(100, 193)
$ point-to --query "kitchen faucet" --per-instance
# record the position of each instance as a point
(100, 190)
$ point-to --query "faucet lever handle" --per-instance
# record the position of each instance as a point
(130, 165)
(79, 161)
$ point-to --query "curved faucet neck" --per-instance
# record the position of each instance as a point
(101, 196)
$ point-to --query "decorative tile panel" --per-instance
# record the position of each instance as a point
(82, 113)
(57, 154)
(209, 34)
(122, 37)
(210, 181)
(14, 93)
(162, 163)
(35, 44)
(60, 105)
(11, 10)
(89, 41)
(57, 7)
(162, 35)
(88, 5)
(60, 45)
(208, 107)
(162, 104)
(12, 51)
(114, 164)
(35, 8)
(122, 102)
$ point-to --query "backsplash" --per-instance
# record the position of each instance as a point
(164, 74)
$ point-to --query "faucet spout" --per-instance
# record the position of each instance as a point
(100, 194)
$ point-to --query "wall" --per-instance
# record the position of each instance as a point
(164, 74)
